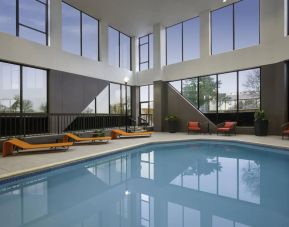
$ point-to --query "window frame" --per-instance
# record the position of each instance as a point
(182, 44)
(149, 52)
(148, 101)
(21, 66)
(81, 32)
(119, 48)
(234, 25)
(217, 89)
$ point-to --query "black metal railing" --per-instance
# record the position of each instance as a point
(37, 123)
(146, 120)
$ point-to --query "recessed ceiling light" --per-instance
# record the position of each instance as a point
(224, 1)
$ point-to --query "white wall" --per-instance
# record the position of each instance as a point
(274, 47)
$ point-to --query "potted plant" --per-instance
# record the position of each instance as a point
(172, 123)
(261, 123)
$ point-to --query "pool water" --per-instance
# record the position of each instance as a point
(184, 184)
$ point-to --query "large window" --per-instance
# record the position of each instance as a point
(119, 49)
(146, 52)
(27, 19)
(147, 103)
(111, 100)
(227, 92)
(235, 26)
(22, 89)
(79, 32)
(223, 93)
(183, 41)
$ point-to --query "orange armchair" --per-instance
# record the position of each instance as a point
(285, 130)
(194, 126)
(227, 127)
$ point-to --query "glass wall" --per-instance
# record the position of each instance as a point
(79, 32)
(224, 93)
(235, 26)
(147, 103)
(111, 100)
(146, 52)
(119, 49)
(28, 94)
(27, 19)
(183, 41)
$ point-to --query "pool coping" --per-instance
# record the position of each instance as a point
(48, 167)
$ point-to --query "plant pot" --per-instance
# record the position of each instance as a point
(261, 127)
(172, 126)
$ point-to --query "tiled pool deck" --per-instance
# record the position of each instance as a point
(31, 161)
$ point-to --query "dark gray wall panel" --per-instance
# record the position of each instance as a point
(274, 95)
(70, 93)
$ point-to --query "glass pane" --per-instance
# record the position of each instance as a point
(190, 90)
(90, 109)
(32, 14)
(228, 173)
(102, 101)
(8, 16)
(34, 90)
(151, 87)
(9, 87)
(249, 90)
(115, 104)
(124, 51)
(113, 47)
(151, 50)
(208, 94)
(177, 85)
(143, 40)
(144, 53)
(246, 23)
(227, 97)
(191, 39)
(70, 29)
(174, 44)
(222, 30)
(89, 37)
(143, 66)
(32, 35)
(144, 108)
(144, 96)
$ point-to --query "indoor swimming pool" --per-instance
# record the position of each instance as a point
(178, 184)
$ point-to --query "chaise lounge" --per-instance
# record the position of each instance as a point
(227, 127)
(194, 126)
(120, 133)
(77, 139)
(15, 144)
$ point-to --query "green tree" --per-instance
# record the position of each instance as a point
(27, 105)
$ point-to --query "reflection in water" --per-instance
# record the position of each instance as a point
(196, 184)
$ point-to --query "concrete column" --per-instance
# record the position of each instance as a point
(205, 45)
(159, 47)
(103, 42)
(160, 105)
(55, 25)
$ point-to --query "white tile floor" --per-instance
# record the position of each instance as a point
(32, 161)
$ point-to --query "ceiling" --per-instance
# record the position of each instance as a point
(137, 17)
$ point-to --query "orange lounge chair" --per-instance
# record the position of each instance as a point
(227, 127)
(285, 130)
(118, 133)
(194, 126)
(15, 144)
(78, 139)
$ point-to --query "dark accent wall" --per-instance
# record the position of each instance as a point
(168, 101)
(274, 95)
(71, 93)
